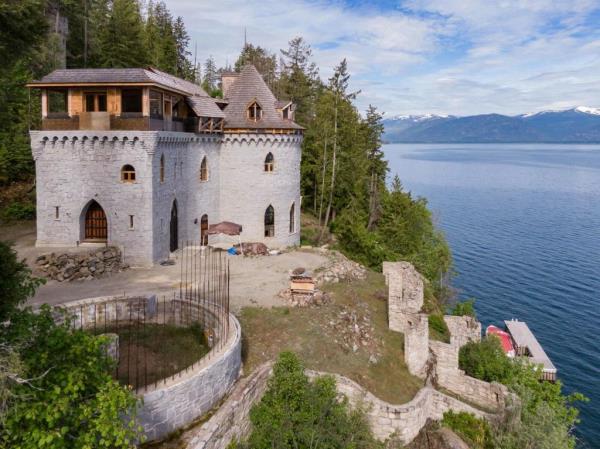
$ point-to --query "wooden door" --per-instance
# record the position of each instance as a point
(173, 228)
(204, 230)
(96, 226)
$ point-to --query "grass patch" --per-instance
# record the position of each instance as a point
(310, 231)
(309, 333)
(438, 330)
(163, 349)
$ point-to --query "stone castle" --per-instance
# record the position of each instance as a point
(142, 160)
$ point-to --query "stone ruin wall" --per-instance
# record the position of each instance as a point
(232, 422)
(435, 361)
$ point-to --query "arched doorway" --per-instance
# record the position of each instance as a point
(204, 230)
(96, 225)
(174, 236)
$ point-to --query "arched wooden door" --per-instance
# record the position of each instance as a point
(174, 228)
(96, 226)
(204, 230)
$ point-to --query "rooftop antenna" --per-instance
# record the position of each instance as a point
(245, 40)
(196, 61)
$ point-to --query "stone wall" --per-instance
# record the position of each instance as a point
(73, 266)
(433, 360)
(231, 421)
(187, 398)
(184, 397)
(75, 167)
(405, 293)
(246, 190)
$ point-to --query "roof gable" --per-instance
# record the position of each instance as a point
(246, 89)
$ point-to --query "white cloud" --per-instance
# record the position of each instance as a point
(442, 56)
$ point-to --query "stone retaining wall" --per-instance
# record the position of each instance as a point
(184, 397)
(72, 266)
(231, 422)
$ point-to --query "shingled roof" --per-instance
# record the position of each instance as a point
(248, 87)
(204, 107)
(121, 76)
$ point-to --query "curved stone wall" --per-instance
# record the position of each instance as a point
(231, 421)
(184, 397)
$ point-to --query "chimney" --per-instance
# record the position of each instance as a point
(227, 79)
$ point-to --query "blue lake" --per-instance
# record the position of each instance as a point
(523, 222)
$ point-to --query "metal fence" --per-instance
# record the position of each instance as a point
(163, 337)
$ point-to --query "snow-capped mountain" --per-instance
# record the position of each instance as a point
(579, 124)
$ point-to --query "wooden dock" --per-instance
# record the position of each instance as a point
(527, 345)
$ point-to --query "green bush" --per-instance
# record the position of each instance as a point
(474, 431)
(547, 415)
(486, 360)
(18, 211)
(438, 328)
(464, 308)
(298, 413)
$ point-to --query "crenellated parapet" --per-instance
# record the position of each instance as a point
(250, 139)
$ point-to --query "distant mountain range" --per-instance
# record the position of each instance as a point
(576, 125)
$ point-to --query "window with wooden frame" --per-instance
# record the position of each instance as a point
(204, 170)
(269, 163)
(293, 218)
(95, 101)
(254, 111)
(127, 173)
(57, 103)
(162, 168)
(131, 101)
(270, 222)
(156, 107)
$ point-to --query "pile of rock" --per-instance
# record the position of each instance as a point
(253, 249)
(353, 330)
(340, 268)
(316, 298)
(69, 266)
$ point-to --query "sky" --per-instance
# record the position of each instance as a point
(458, 57)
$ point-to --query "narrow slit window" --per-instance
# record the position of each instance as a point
(293, 218)
(131, 222)
(269, 163)
(56, 212)
(162, 168)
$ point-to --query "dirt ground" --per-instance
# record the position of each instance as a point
(255, 281)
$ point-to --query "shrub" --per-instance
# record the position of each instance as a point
(474, 431)
(438, 328)
(18, 211)
(486, 360)
(296, 412)
(464, 308)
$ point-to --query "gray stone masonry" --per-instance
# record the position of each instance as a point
(434, 360)
(75, 167)
(405, 293)
(231, 422)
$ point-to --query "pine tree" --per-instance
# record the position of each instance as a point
(265, 63)
(210, 79)
(185, 68)
(377, 165)
(121, 43)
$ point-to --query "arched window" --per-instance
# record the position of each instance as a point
(204, 170)
(293, 218)
(269, 161)
(254, 111)
(270, 222)
(162, 168)
(128, 173)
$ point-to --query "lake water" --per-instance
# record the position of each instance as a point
(523, 222)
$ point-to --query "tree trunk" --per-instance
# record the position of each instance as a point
(323, 181)
(373, 202)
(333, 161)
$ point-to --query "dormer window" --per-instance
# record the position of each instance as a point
(254, 111)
